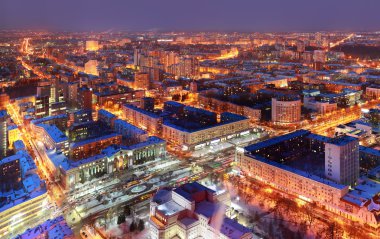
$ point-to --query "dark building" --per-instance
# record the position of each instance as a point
(41, 107)
(173, 107)
(203, 117)
(10, 174)
(147, 103)
(85, 98)
(79, 116)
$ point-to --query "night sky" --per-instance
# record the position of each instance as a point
(232, 15)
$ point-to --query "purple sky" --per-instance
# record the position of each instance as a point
(239, 15)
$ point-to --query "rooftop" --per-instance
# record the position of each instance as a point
(342, 140)
(56, 228)
(56, 134)
(276, 140)
(170, 208)
(149, 113)
(208, 209)
(44, 119)
(124, 124)
(3, 113)
(88, 141)
(233, 229)
(189, 126)
(189, 189)
(106, 114)
(33, 186)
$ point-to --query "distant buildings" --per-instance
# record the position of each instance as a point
(92, 45)
(91, 67)
(192, 211)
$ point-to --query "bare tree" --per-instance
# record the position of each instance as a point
(332, 231)
(308, 210)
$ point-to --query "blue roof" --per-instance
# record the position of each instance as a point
(233, 229)
(3, 113)
(59, 160)
(187, 221)
(149, 113)
(33, 187)
(56, 228)
(276, 140)
(131, 127)
(318, 137)
(87, 141)
(162, 196)
(367, 150)
(56, 134)
(44, 119)
(18, 145)
(174, 103)
(233, 118)
(206, 208)
(150, 141)
(342, 140)
(188, 189)
(106, 114)
(75, 164)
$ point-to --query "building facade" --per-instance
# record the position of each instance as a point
(286, 111)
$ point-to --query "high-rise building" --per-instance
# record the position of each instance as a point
(190, 67)
(147, 103)
(3, 133)
(342, 160)
(4, 99)
(85, 98)
(42, 106)
(44, 88)
(136, 57)
(142, 81)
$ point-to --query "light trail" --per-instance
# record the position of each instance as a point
(334, 44)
